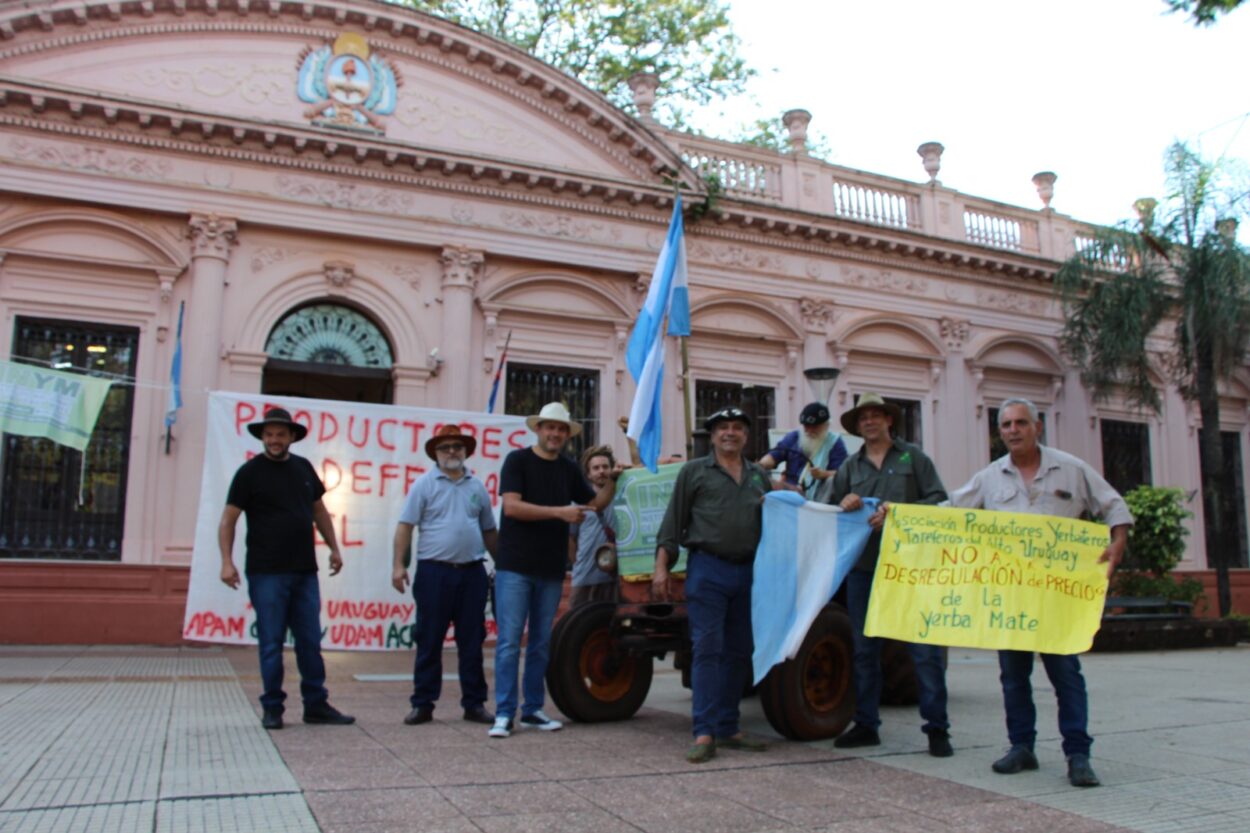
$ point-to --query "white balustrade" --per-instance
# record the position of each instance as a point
(740, 176)
(867, 204)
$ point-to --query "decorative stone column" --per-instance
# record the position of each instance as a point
(462, 268)
(796, 122)
(211, 239)
(931, 154)
(644, 85)
(957, 412)
(1045, 182)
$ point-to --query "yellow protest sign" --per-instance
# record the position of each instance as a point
(974, 578)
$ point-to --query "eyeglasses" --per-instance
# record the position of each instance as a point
(450, 449)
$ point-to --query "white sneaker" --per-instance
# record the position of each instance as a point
(502, 727)
(538, 720)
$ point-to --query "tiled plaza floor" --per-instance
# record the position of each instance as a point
(142, 739)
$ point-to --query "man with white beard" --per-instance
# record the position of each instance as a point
(451, 508)
(812, 453)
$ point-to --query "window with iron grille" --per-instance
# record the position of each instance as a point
(1125, 454)
(531, 386)
(40, 515)
(1232, 499)
(756, 401)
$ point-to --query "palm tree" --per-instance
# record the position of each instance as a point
(1180, 260)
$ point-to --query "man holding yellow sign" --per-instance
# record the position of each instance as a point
(1038, 480)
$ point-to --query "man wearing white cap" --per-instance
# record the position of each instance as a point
(543, 492)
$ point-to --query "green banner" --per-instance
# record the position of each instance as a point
(62, 407)
(641, 499)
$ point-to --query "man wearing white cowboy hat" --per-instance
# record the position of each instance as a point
(543, 492)
(281, 495)
(892, 470)
(451, 507)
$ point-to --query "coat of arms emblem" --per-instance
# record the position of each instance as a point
(347, 85)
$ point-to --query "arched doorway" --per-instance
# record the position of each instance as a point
(328, 351)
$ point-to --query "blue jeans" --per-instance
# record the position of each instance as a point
(930, 665)
(281, 601)
(448, 594)
(520, 597)
(718, 600)
(1065, 675)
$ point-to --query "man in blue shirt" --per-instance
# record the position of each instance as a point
(812, 454)
(451, 508)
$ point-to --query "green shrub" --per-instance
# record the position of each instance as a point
(1145, 585)
(1156, 542)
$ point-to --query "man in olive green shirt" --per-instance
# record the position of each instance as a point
(893, 471)
(715, 512)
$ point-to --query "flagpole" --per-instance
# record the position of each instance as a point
(685, 400)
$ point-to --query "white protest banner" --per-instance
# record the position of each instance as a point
(367, 456)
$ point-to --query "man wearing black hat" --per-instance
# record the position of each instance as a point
(281, 495)
(891, 470)
(812, 453)
(715, 512)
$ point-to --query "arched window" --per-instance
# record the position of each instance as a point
(329, 334)
(329, 351)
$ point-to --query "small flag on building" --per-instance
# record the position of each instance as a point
(668, 295)
(175, 382)
(494, 388)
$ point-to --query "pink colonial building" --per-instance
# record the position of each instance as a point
(357, 201)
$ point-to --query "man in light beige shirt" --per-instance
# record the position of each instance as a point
(1039, 480)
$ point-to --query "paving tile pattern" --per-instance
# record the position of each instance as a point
(380, 775)
(137, 740)
(125, 739)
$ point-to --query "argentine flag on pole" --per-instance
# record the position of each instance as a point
(175, 376)
(668, 295)
(806, 549)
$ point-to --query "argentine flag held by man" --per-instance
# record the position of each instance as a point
(668, 295)
(806, 549)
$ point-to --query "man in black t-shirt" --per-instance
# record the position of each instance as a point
(543, 492)
(281, 495)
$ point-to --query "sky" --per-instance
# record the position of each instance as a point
(1094, 90)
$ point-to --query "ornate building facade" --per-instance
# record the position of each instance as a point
(352, 200)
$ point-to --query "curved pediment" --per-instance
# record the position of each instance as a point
(742, 319)
(884, 335)
(553, 294)
(111, 240)
(1018, 354)
(352, 68)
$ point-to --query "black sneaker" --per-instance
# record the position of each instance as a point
(417, 716)
(271, 719)
(479, 715)
(1017, 759)
(540, 721)
(857, 736)
(327, 715)
(1080, 773)
(940, 744)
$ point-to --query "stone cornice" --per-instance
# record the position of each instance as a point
(156, 126)
(394, 28)
(48, 109)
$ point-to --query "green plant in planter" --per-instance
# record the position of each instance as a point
(1156, 544)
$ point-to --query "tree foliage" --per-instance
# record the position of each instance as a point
(689, 44)
(1181, 261)
(1202, 12)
